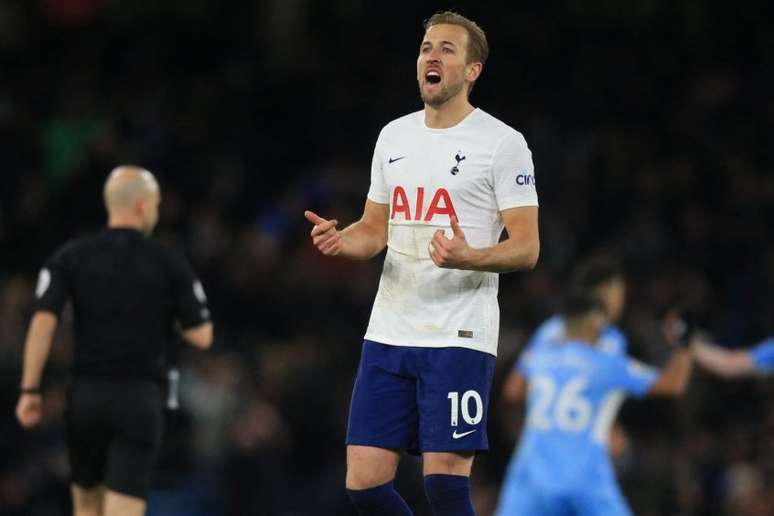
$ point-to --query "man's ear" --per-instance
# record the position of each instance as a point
(473, 72)
(139, 206)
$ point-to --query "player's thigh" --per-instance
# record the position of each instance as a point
(604, 500)
(369, 466)
(453, 393)
(87, 502)
(383, 410)
(138, 432)
(118, 504)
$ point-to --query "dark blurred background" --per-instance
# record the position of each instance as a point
(651, 124)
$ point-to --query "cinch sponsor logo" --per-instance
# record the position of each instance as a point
(441, 204)
(525, 179)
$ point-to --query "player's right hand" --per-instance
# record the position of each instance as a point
(679, 328)
(324, 234)
(29, 410)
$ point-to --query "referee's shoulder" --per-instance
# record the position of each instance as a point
(169, 252)
(74, 246)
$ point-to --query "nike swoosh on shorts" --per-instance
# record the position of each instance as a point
(455, 435)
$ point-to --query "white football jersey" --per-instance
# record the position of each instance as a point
(473, 170)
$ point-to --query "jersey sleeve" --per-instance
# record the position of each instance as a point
(514, 173)
(631, 375)
(378, 191)
(190, 300)
(523, 365)
(613, 340)
(54, 282)
(763, 356)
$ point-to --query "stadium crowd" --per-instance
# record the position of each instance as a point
(651, 130)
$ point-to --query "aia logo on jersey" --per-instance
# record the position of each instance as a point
(456, 168)
(441, 204)
(525, 180)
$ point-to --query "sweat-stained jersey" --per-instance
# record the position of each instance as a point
(473, 170)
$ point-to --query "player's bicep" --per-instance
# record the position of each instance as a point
(523, 237)
(522, 223)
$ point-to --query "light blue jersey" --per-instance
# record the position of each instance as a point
(611, 340)
(562, 465)
(763, 356)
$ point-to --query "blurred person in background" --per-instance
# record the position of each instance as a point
(574, 388)
(735, 363)
(602, 275)
(445, 181)
(130, 297)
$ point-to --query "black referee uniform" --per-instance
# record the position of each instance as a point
(128, 293)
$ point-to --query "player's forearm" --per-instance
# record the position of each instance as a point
(674, 377)
(37, 348)
(728, 364)
(506, 256)
(361, 241)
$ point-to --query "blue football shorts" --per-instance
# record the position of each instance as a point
(421, 399)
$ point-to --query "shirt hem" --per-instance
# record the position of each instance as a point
(508, 204)
(381, 339)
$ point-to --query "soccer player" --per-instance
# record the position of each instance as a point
(129, 296)
(445, 181)
(562, 464)
(739, 363)
(602, 275)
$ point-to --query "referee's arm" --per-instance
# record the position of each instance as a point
(192, 314)
(198, 336)
(51, 292)
(29, 409)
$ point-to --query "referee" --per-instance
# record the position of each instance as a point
(130, 297)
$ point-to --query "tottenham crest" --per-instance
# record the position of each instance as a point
(456, 168)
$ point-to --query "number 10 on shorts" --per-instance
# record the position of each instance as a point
(463, 406)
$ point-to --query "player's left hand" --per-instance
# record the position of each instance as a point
(454, 253)
(29, 410)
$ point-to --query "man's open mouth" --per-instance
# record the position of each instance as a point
(433, 77)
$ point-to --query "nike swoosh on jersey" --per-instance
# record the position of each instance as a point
(393, 160)
(455, 435)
